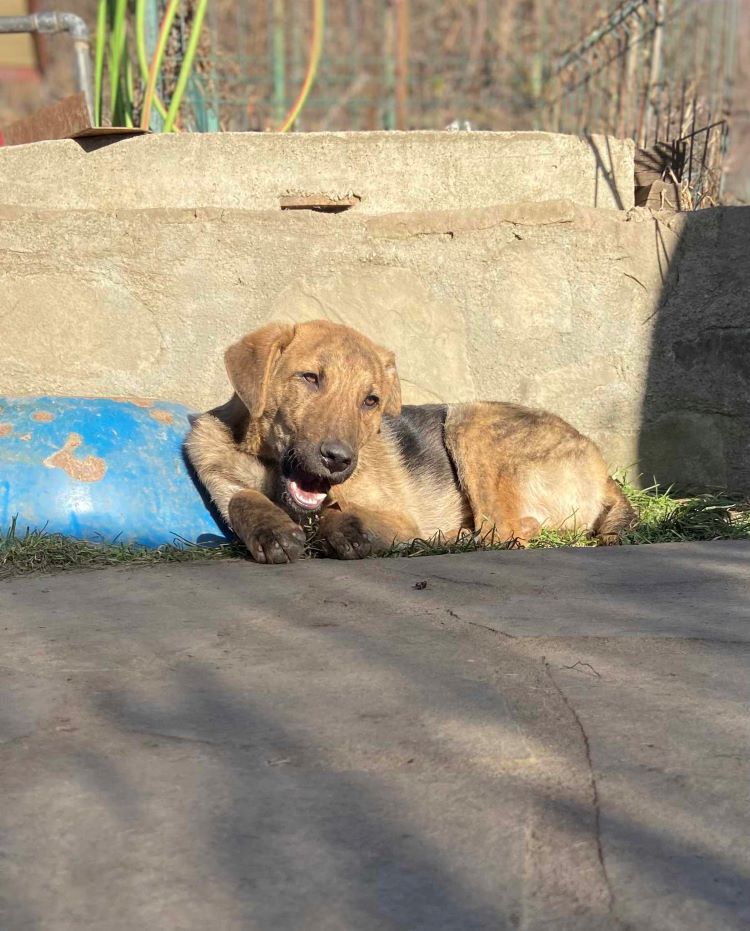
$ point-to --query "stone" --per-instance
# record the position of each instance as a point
(381, 172)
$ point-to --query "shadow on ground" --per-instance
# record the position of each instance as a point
(525, 742)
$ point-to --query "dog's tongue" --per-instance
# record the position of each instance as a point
(311, 500)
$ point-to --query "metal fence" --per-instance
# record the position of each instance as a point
(406, 64)
(654, 70)
(661, 73)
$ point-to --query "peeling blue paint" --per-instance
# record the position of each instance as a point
(146, 494)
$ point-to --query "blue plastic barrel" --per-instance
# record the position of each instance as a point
(100, 469)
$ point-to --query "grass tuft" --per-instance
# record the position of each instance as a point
(440, 545)
(39, 551)
(664, 518)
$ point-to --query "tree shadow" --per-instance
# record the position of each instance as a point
(605, 171)
(327, 746)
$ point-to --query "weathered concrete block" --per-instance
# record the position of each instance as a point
(385, 171)
(632, 325)
(621, 323)
(696, 407)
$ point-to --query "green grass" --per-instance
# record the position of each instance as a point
(38, 551)
(663, 519)
(668, 519)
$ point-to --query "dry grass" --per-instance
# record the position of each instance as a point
(664, 518)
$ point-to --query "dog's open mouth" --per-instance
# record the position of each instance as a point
(306, 491)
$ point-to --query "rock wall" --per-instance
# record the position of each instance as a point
(379, 172)
(696, 405)
(632, 325)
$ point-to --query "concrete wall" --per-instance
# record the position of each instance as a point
(696, 408)
(253, 171)
(634, 326)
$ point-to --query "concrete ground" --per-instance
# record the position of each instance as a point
(553, 739)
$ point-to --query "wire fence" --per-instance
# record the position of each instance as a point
(407, 64)
(659, 71)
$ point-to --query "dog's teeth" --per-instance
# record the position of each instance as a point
(307, 499)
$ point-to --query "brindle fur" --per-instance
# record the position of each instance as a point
(415, 470)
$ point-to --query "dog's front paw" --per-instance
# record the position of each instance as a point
(275, 542)
(345, 536)
(269, 533)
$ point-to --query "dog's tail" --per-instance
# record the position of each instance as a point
(616, 516)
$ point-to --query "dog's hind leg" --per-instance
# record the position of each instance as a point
(523, 470)
(496, 503)
(489, 480)
(617, 516)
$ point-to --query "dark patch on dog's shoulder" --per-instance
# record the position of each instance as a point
(419, 432)
(235, 415)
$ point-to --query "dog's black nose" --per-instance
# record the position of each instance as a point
(337, 456)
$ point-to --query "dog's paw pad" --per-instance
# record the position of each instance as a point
(276, 544)
(608, 539)
(347, 538)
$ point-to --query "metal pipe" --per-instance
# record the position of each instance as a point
(278, 59)
(655, 71)
(51, 23)
(402, 64)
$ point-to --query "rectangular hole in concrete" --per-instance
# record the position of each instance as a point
(321, 203)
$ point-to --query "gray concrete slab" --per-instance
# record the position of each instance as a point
(548, 739)
(385, 171)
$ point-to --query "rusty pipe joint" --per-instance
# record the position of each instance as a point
(51, 23)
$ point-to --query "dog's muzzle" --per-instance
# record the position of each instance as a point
(308, 474)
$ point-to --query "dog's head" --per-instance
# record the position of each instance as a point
(316, 393)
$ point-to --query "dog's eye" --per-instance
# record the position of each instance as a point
(311, 378)
(372, 400)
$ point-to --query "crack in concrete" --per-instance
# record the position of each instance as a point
(636, 280)
(495, 630)
(184, 739)
(594, 788)
(454, 581)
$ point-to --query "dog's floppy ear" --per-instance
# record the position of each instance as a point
(250, 363)
(392, 399)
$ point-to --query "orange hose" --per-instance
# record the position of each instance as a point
(316, 48)
(153, 71)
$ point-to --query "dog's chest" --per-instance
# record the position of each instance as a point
(438, 507)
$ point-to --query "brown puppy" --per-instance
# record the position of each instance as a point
(316, 425)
